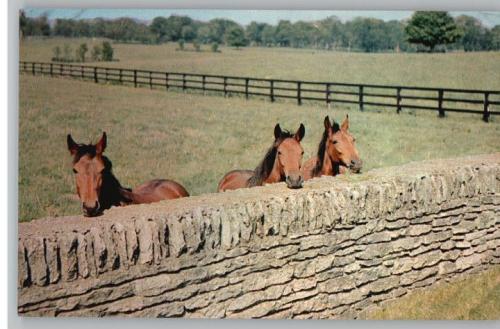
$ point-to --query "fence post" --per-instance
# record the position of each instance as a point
(225, 86)
(51, 70)
(440, 103)
(83, 72)
(246, 87)
(135, 78)
(106, 74)
(183, 82)
(361, 104)
(272, 90)
(398, 100)
(33, 68)
(166, 81)
(299, 96)
(327, 91)
(486, 109)
(95, 75)
(203, 80)
(150, 80)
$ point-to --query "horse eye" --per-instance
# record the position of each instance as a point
(279, 152)
(74, 170)
(334, 142)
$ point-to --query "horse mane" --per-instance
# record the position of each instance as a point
(263, 170)
(322, 148)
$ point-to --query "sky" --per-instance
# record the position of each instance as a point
(244, 17)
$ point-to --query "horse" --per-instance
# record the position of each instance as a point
(282, 162)
(98, 189)
(337, 152)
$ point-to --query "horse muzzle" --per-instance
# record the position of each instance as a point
(355, 166)
(91, 211)
(294, 181)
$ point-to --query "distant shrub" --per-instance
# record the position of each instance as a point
(107, 52)
(196, 46)
(181, 44)
(96, 53)
(215, 47)
(81, 52)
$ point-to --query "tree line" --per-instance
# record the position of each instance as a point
(424, 31)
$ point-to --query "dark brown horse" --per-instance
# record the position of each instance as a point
(98, 189)
(337, 152)
(282, 162)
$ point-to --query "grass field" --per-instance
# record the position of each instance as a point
(475, 298)
(453, 70)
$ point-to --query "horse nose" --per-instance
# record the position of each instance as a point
(295, 181)
(356, 165)
(91, 210)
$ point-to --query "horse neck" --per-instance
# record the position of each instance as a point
(329, 167)
(112, 192)
(275, 175)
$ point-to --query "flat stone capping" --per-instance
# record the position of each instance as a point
(331, 249)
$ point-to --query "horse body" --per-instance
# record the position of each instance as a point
(337, 152)
(235, 179)
(282, 162)
(158, 189)
(98, 189)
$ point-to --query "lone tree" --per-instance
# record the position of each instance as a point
(81, 52)
(107, 52)
(235, 37)
(432, 28)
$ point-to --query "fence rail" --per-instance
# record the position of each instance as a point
(441, 100)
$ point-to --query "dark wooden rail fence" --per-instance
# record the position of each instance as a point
(440, 100)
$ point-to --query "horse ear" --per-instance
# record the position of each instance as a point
(300, 133)
(345, 124)
(72, 145)
(277, 131)
(327, 123)
(101, 144)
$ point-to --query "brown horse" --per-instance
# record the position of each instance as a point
(282, 162)
(98, 189)
(337, 152)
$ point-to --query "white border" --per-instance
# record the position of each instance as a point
(9, 141)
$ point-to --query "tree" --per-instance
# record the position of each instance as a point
(268, 33)
(215, 47)
(495, 37)
(432, 28)
(107, 52)
(81, 52)
(474, 35)
(96, 53)
(254, 32)
(283, 33)
(235, 37)
(159, 27)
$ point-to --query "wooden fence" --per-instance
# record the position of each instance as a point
(441, 100)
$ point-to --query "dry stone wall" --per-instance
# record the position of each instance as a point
(330, 250)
